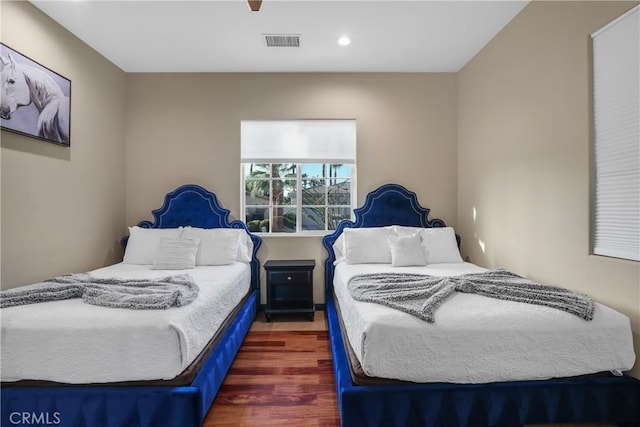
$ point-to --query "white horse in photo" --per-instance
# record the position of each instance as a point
(22, 85)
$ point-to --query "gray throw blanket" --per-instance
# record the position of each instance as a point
(421, 295)
(137, 294)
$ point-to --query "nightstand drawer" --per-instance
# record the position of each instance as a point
(289, 277)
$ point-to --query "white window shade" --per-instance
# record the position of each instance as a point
(616, 90)
(298, 141)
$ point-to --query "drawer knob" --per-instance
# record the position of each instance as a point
(288, 277)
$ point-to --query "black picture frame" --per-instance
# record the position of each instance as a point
(34, 100)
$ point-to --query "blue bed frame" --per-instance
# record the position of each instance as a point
(560, 400)
(153, 406)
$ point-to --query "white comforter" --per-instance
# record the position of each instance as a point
(476, 339)
(73, 342)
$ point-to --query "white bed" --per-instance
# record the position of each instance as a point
(84, 343)
(448, 381)
(97, 366)
(476, 339)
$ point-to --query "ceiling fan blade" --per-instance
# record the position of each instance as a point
(254, 5)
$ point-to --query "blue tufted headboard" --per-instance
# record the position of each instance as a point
(195, 206)
(390, 204)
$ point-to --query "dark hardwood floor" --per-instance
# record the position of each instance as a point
(282, 376)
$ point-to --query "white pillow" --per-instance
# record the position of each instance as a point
(407, 251)
(367, 245)
(245, 246)
(441, 245)
(218, 246)
(143, 243)
(175, 253)
(339, 249)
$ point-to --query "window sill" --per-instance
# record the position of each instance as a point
(279, 235)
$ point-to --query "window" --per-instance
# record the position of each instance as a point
(297, 176)
(616, 91)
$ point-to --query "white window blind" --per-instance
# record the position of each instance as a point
(298, 141)
(616, 91)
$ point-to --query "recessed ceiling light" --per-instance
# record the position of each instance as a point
(344, 41)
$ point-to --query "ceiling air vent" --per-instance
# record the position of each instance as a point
(282, 40)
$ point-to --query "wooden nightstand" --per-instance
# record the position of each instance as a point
(289, 287)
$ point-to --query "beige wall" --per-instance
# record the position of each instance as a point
(62, 208)
(524, 155)
(185, 128)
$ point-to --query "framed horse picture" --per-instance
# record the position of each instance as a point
(34, 100)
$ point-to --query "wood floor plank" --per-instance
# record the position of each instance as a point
(279, 378)
(280, 370)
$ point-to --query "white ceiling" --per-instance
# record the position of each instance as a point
(225, 36)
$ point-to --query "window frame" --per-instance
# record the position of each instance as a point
(299, 198)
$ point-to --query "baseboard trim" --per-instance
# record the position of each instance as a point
(318, 307)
